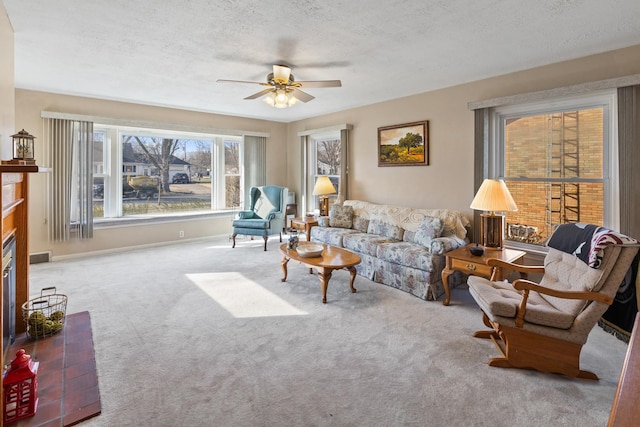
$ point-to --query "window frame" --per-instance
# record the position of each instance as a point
(607, 99)
(113, 170)
(314, 175)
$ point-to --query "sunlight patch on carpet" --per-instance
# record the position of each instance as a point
(242, 297)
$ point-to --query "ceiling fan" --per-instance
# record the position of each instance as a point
(282, 89)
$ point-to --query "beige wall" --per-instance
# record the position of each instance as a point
(7, 92)
(29, 104)
(448, 181)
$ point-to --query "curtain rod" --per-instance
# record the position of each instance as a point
(149, 124)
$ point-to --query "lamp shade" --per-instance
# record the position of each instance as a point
(323, 186)
(493, 196)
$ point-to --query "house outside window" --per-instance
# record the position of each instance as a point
(557, 160)
(160, 173)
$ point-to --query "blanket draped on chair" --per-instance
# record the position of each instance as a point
(586, 241)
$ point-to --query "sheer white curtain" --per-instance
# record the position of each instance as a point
(69, 153)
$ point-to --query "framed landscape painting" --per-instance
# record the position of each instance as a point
(404, 145)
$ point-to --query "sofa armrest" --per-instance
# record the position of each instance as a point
(440, 245)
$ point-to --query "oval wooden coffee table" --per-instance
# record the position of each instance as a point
(332, 258)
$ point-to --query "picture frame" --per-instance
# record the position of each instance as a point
(406, 144)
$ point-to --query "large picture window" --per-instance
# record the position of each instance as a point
(556, 158)
(156, 173)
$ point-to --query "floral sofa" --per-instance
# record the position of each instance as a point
(399, 246)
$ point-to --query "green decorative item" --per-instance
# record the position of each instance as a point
(37, 318)
(57, 315)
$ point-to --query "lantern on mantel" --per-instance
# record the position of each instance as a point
(20, 388)
(23, 148)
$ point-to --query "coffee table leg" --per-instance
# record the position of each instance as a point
(353, 272)
(283, 264)
(324, 274)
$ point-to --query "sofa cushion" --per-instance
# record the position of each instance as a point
(364, 243)
(330, 235)
(407, 254)
(341, 216)
(430, 228)
(440, 245)
(409, 236)
(360, 223)
(382, 228)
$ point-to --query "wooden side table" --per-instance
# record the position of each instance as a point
(461, 260)
(306, 224)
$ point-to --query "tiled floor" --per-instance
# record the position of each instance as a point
(67, 380)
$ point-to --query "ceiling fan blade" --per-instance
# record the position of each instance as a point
(259, 94)
(281, 72)
(322, 83)
(239, 81)
(302, 96)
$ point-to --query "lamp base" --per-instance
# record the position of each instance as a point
(492, 230)
(323, 203)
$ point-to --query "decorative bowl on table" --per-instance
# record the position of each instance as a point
(476, 250)
(310, 250)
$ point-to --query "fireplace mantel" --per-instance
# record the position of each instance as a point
(14, 182)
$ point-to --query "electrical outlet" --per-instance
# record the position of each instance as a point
(181, 234)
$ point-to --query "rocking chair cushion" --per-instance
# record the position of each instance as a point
(494, 298)
(567, 272)
(502, 299)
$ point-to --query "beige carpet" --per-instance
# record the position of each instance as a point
(199, 334)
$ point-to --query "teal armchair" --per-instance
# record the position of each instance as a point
(266, 215)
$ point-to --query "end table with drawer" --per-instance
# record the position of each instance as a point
(304, 223)
(462, 260)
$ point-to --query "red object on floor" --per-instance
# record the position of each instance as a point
(20, 388)
(67, 379)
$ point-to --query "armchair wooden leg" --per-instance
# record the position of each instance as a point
(233, 237)
(280, 237)
(265, 242)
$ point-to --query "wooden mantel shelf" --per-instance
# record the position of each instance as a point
(8, 168)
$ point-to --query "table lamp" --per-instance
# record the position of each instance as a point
(322, 188)
(493, 196)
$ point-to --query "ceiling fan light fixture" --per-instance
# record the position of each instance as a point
(282, 90)
(270, 99)
(280, 98)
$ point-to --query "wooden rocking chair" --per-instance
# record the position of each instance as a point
(544, 326)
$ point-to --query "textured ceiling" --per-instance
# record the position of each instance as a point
(171, 52)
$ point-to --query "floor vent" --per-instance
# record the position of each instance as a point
(40, 257)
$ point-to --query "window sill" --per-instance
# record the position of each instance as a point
(132, 220)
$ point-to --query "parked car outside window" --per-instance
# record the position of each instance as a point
(180, 178)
